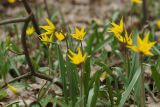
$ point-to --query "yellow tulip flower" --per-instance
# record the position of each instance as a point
(46, 39)
(117, 28)
(79, 34)
(126, 39)
(137, 1)
(50, 28)
(77, 58)
(143, 46)
(60, 36)
(30, 31)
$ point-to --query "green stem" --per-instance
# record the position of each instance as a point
(110, 91)
(67, 44)
(126, 61)
(82, 47)
(142, 90)
(49, 58)
(127, 66)
(81, 87)
(81, 90)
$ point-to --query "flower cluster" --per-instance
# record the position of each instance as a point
(50, 31)
(47, 36)
(143, 46)
(78, 58)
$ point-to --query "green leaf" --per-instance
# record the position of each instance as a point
(86, 78)
(100, 45)
(60, 102)
(156, 50)
(134, 65)
(96, 90)
(45, 100)
(73, 78)
(43, 69)
(93, 93)
(130, 87)
(63, 71)
(156, 76)
(103, 66)
(3, 94)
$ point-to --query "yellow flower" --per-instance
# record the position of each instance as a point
(158, 23)
(11, 1)
(143, 46)
(45, 39)
(117, 28)
(104, 76)
(126, 39)
(30, 31)
(50, 28)
(60, 36)
(77, 58)
(13, 89)
(137, 1)
(79, 34)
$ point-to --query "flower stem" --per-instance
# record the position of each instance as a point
(67, 44)
(126, 62)
(49, 58)
(142, 90)
(82, 47)
(81, 87)
(81, 90)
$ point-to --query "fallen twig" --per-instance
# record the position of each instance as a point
(26, 21)
(33, 19)
(144, 9)
(24, 45)
(17, 78)
(15, 20)
(47, 9)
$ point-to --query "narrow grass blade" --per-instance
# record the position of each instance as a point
(63, 71)
(156, 76)
(100, 45)
(129, 88)
(93, 95)
(86, 78)
(72, 75)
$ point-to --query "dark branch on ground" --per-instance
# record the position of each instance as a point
(17, 78)
(27, 56)
(144, 10)
(33, 19)
(47, 9)
(24, 45)
(15, 20)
